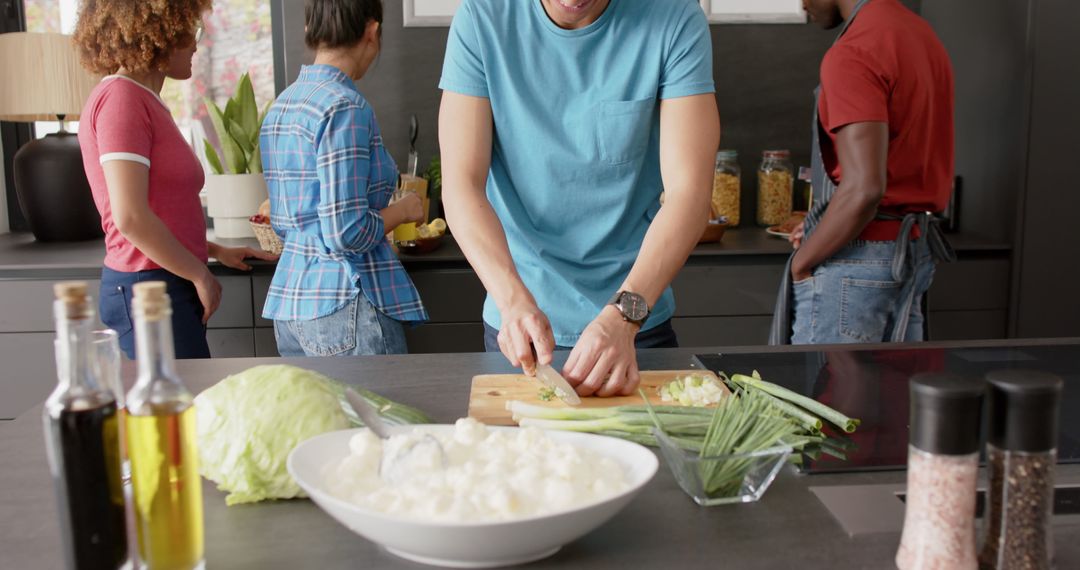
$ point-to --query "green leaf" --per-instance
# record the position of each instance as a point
(255, 160)
(240, 136)
(212, 158)
(247, 108)
(232, 110)
(234, 155)
(216, 117)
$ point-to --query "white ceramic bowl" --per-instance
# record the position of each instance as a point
(475, 545)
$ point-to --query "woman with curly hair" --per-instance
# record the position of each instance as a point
(144, 176)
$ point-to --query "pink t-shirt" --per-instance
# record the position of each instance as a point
(123, 120)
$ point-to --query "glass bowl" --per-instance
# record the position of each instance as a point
(723, 479)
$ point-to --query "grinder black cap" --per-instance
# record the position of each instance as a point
(946, 413)
(1024, 407)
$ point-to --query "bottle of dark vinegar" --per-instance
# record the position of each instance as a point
(83, 443)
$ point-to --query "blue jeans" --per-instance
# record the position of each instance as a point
(356, 329)
(189, 333)
(853, 298)
(660, 336)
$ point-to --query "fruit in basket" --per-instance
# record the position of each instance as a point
(434, 229)
(259, 219)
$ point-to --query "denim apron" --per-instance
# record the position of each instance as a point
(903, 250)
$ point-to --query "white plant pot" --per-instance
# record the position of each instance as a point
(231, 199)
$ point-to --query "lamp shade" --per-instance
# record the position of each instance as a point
(42, 77)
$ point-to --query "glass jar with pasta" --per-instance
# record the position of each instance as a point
(726, 187)
(776, 179)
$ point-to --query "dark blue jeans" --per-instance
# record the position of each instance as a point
(189, 334)
(660, 336)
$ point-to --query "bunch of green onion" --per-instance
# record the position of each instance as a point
(760, 416)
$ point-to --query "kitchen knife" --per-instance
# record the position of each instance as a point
(552, 379)
(414, 157)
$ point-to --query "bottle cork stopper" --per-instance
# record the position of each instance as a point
(151, 299)
(70, 290)
(73, 296)
(150, 290)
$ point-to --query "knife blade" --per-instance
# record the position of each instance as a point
(552, 379)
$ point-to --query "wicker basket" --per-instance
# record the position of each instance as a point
(268, 240)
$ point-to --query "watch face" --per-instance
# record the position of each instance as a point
(633, 306)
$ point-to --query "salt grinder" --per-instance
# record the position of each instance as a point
(943, 467)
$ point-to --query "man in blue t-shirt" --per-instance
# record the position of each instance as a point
(561, 122)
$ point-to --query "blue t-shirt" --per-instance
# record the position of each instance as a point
(575, 162)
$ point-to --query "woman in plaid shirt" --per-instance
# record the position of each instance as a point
(339, 289)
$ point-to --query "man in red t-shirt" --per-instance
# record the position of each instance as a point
(883, 160)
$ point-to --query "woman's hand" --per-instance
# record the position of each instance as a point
(234, 256)
(411, 208)
(209, 291)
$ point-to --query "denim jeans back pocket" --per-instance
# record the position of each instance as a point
(330, 335)
(114, 310)
(866, 308)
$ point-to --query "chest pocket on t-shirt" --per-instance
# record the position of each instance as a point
(623, 128)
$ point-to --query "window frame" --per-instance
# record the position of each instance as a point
(13, 135)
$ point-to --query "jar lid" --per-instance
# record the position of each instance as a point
(946, 413)
(1024, 408)
(727, 155)
(776, 153)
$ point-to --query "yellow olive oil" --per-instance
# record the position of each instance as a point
(167, 492)
(161, 445)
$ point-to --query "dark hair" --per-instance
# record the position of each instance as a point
(339, 23)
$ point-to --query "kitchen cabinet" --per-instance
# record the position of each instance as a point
(265, 343)
(724, 294)
(26, 304)
(235, 310)
(231, 343)
(29, 371)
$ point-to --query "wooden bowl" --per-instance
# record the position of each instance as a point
(420, 246)
(713, 232)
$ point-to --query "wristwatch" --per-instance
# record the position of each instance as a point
(632, 306)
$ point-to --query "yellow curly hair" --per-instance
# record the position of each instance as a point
(136, 35)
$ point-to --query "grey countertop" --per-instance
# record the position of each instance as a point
(21, 256)
(662, 528)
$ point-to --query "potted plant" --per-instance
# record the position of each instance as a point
(236, 186)
(434, 177)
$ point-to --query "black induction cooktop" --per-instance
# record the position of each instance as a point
(873, 385)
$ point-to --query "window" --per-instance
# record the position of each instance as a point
(237, 40)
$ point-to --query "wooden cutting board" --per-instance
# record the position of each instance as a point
(491, 392)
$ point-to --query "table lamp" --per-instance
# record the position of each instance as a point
(41, 80)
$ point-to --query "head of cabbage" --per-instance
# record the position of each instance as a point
(248, 424)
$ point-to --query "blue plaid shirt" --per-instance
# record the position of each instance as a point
(329, 175)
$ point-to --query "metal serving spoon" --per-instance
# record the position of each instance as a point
(392, 468)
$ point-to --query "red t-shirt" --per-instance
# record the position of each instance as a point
(890, 67)
(123, 120)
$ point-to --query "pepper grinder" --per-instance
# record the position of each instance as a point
(943, 467)
(1020, 455)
